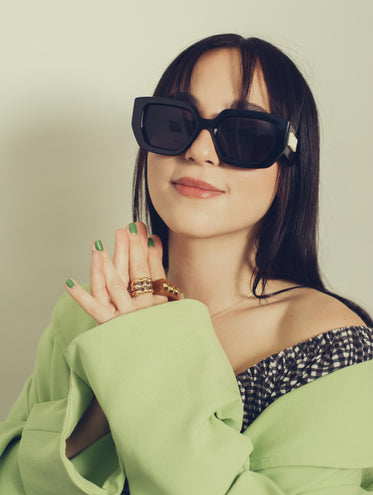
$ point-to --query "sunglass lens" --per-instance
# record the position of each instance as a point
(167, 127)
(245, 139)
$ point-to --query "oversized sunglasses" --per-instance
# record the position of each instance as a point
(243, 138)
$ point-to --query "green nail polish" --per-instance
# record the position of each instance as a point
(133, 228)
(70, 283)
(99, 246)
(150, 242)
(185, 297)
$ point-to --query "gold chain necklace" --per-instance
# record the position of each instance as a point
(231, 306)
(264, 296)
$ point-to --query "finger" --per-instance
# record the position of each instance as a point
(121, 252)
(114, 284)
(155, 263)
(139, 267)
(92, 306)
(143, 232)
(98, 284)
(155, 252)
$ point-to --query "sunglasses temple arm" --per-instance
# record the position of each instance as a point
(291, 145)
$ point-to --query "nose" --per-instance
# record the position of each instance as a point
(202, 151)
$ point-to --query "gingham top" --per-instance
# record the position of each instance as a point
(295, 366)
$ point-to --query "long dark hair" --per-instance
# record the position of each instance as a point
(287, 241)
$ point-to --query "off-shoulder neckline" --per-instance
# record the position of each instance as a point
(302, 343)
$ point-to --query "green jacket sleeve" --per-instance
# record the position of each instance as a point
(175, 413)
(32, 448)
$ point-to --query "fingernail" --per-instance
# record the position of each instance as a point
(133, 228)
(69, 283)
(185, 297)
(99, 246)
(150, 242)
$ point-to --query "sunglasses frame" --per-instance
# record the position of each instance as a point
(285, 143)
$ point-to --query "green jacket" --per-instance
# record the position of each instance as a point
(175, 413)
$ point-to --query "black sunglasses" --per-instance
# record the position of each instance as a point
(243, 138)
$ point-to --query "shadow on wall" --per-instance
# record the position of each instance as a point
(66, 180)
(62, 172)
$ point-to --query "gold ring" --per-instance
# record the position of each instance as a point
(140, 286)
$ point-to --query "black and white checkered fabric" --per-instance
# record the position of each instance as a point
(295, 366)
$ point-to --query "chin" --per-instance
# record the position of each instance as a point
(187, 227)
(191, 225)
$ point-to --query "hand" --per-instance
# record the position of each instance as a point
(132, 259)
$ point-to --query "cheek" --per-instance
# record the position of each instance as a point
(154, 172)
(159, 173)
(257, 190)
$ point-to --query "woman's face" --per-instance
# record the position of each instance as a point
(246, 194)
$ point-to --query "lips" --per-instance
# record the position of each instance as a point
(196, 188)
(199, 184)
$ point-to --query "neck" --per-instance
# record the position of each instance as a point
(212, 270)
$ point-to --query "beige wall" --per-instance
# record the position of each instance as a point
(69, 71)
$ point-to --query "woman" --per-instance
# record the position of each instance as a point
(265, 387)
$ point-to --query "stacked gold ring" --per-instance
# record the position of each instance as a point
(141, 286)
(160, 287)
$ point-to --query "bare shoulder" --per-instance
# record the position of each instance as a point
(311, 312)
